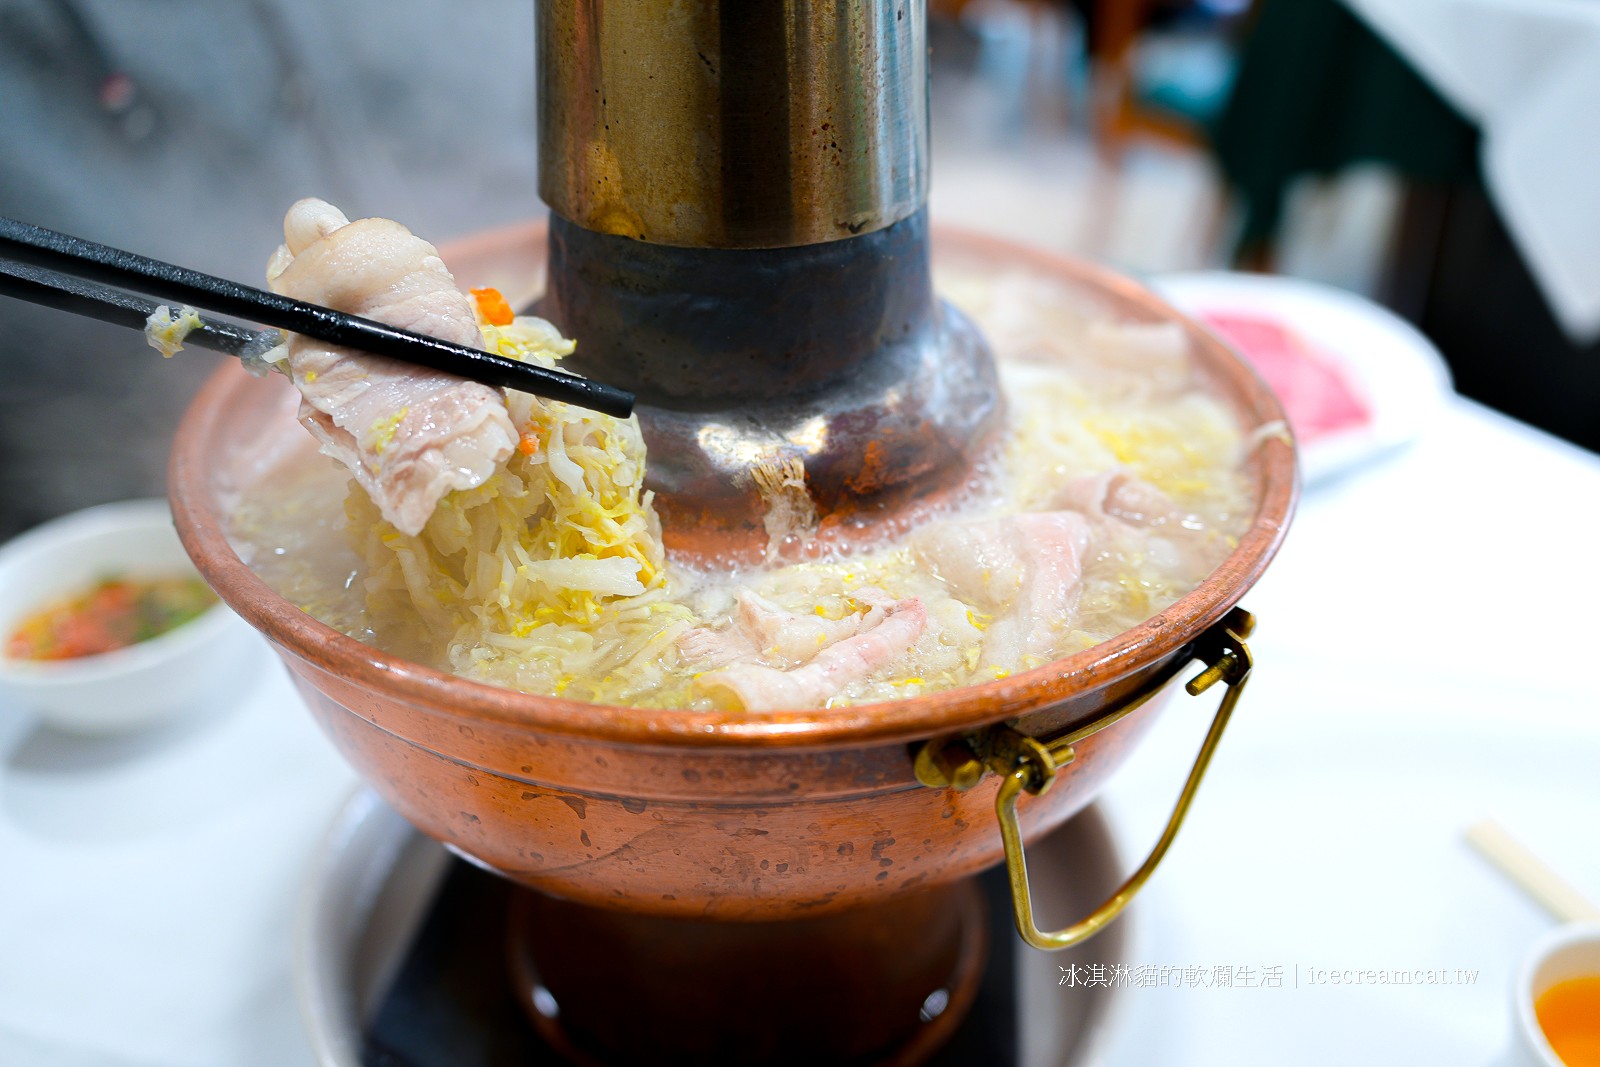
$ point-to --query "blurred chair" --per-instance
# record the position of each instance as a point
(1120, 112)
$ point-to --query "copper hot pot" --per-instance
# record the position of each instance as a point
(863, 822)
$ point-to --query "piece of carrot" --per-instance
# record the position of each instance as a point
(493, 307)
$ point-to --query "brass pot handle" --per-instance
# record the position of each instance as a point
(1030, 764)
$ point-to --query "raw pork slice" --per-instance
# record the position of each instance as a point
(1318, 398)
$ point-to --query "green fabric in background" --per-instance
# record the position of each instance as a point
(1318, 91)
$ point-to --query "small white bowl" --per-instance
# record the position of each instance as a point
(1570, 951)
(132, 687)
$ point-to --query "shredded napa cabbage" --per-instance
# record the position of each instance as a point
(549, 575)
(165, 331)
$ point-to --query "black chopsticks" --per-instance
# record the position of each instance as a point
(65, 293)
(65, 268)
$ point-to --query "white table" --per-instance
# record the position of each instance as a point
(1426, 656)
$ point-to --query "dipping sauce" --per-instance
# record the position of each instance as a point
(115, 613)
(1569, 1015)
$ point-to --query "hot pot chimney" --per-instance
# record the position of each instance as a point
(739, 234)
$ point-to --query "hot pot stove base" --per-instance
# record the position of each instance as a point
(401, 956)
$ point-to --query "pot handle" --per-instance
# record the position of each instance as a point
(1029, 764)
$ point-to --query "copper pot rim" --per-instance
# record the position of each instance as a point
(201, 523)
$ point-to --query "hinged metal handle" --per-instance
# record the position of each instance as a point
(1030, 764)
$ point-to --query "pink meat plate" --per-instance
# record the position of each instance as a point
(1317, 396)
(1356, 380)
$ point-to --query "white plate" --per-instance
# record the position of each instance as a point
(1397, 370)
(374, 878)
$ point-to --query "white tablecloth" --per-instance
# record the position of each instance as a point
(1528, 73)
(148, 885)
(1426, 656)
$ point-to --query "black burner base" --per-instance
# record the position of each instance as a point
(452, 1004)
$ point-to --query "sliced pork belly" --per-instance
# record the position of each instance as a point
(761, 632)
(1131, 517)
(706, 648)
(758, 687)
(409, 435)
(1024, 570)
(785, 638)
(1119, 495)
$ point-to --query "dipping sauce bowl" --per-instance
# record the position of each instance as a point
(128, 688)
(1547, 1027)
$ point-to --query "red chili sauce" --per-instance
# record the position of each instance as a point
(115, 613)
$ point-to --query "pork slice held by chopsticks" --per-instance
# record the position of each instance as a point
(409, 435)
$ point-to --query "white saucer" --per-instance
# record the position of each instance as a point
(372, 881)
(1397, 370)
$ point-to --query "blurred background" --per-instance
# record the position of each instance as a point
(1318, 138)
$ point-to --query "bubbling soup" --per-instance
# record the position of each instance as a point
(1117, 487)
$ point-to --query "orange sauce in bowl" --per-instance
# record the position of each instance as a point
(114, 613)
(1569, 1015)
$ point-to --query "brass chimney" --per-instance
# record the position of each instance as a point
(739, 235)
